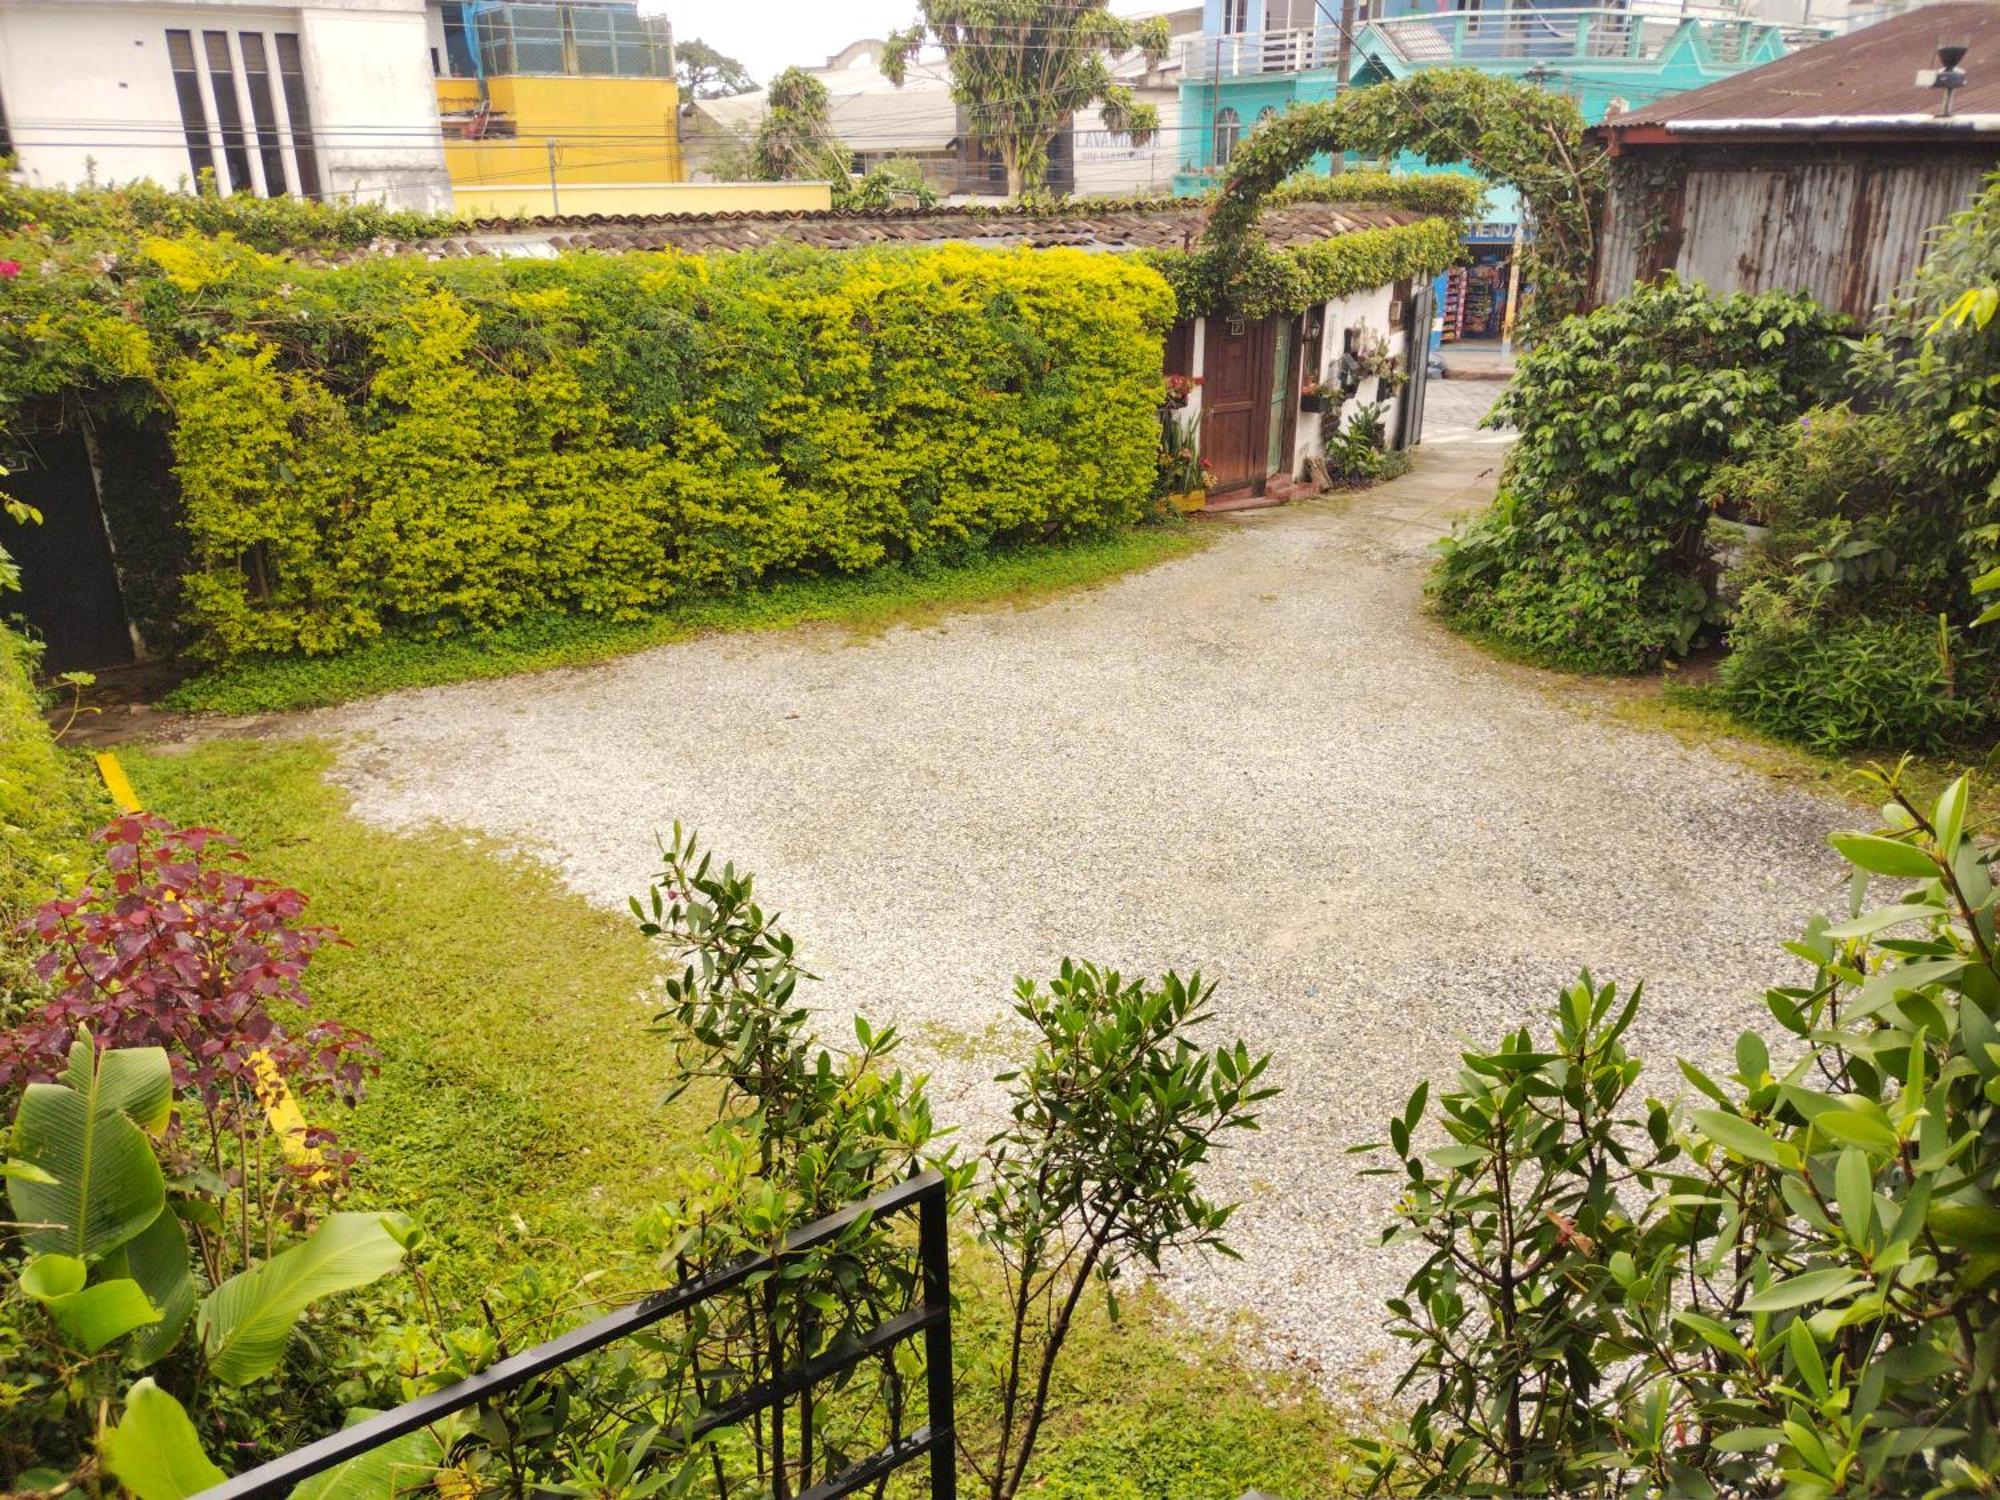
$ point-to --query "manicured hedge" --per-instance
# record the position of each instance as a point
(1255, 281)
(439, 445)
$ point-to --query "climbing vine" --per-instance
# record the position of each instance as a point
(1509, 132)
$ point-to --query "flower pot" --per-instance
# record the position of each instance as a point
(1174, 403)
(1312, 401)
(1189, 501)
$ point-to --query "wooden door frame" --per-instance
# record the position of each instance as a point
(1293, 330)
(1262, 378)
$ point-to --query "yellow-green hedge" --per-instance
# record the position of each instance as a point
(460, 444)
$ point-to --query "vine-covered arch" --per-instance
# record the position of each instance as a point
(1512, 133)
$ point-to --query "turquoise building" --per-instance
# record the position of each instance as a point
(1256, 58)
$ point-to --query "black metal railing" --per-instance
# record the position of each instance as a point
(931, 1318)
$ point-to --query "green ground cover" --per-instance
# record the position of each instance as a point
(872, 600)
(518, 1109)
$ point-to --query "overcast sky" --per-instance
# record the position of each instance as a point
(767, 36)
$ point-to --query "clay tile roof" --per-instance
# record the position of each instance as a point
(1870, 72)
(1115, 226)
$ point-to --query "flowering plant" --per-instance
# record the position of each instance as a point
(1180, 387)
(174, 946)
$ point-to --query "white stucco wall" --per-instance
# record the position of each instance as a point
(1368, 309)
(88, 89)
(368, 69)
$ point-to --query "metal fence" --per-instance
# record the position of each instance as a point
(930, 1319)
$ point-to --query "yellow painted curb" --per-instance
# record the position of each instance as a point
(116, 783)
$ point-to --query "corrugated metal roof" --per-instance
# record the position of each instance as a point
(1867, 72)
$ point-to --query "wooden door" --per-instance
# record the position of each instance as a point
(1235, 401)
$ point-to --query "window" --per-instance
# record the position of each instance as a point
(293, 74)
(1228, 130)
(257, 77)
(194, 114)
(228, 113)
(1235, 17)
(457, 43)
(270, 152)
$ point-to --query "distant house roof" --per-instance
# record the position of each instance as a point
(1163, 224)
(1864, 83)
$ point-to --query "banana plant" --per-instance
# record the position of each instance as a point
(110, 1262)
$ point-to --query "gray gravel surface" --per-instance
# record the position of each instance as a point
(1261, 761)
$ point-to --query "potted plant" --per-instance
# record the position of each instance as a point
(1184, 474)
(1313, 396)
(1179, 389)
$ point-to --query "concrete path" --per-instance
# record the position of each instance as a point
(1263, 761)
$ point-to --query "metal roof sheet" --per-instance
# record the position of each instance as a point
(1871, 71)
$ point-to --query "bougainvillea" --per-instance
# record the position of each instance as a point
(173, 944)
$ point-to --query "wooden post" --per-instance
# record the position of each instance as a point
(1513, 293)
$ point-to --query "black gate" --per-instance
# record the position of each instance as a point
(929, 1320)
(69, 588)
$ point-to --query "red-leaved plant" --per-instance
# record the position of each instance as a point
(174, 945)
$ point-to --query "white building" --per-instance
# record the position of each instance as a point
(331, 101)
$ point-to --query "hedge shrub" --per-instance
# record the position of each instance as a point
(453, 444)
(1595, 554)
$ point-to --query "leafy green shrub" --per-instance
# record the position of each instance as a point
(1595, 555)
(1792, 1286)
(46, 806)
(455, 445)
(108, 1284)
(1853, 681)
(128, 210)
(1841, 634)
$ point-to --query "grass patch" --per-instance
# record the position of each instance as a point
(1146, 1406)
(872, 600)
(518, 1110)
(1694, 714)
(517, 1106)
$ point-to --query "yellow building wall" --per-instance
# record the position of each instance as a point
(500, 202)
(606, 130)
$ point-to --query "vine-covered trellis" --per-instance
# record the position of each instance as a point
(1511, 133)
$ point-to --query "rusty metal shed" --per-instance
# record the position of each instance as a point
(1825, 172)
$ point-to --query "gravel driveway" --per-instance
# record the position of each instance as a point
(1261, 761)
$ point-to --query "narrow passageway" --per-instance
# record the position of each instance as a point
(1262, 761)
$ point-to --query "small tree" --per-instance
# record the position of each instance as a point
(1792, 1286)
(1023, 68)
(1111, 1117)
(705, 73)
(795, 139)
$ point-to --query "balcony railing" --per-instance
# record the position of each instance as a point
(1527, 34)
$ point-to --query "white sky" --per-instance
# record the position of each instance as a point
(767, 36)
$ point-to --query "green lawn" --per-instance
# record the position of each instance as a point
(518, 1111)
(876, 599)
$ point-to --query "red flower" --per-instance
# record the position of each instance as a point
(9, 269)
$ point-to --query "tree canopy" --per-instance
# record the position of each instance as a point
(795, 139)
(705, 73)
(1023, 68)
